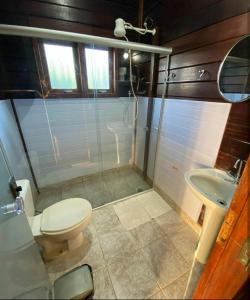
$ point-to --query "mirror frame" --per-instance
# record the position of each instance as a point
(220, 69)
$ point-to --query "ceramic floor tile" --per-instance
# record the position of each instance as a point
(170, 222)
(93, 256)
(158, 296)
(133, 278)
(117, 242)
(165, 260)
(103, 285)
(176, 289)
(131, 213)
(90, 252)
(105, 218)
(147, 233)
(153, 203)
(185, 240)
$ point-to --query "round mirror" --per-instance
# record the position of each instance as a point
(233, 76)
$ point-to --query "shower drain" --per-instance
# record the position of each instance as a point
(221, 201)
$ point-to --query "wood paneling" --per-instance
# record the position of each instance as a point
(18, 67)
(211, 34)
(179, 17)
(88, 12)
(210, 53)
(236, 139)
(96, 17)
(194, 90)
(189, 74)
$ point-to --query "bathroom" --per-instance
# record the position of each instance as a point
(105, 136)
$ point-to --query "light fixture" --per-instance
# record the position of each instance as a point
(125, 55)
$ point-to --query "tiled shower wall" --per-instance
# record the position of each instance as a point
(190, 137)
(67, 138)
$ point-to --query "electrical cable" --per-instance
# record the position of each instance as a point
(131, 80)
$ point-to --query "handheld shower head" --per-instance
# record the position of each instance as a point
(119, 30)
(121, 26)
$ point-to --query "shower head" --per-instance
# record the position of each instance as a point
(120, 30)
(121, 26)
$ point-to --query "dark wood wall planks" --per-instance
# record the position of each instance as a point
(197, 51)
(83, 16)
(177, 18)
(204, 50)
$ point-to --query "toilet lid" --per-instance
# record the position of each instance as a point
(65, 214)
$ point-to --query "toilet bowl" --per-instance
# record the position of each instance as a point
(59, 228)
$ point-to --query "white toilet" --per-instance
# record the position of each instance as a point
(59, 228)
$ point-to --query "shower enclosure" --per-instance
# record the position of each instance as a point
(83, 131)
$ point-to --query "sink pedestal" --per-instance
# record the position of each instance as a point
(211, 226)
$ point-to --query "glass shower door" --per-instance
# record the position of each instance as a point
(22, 272)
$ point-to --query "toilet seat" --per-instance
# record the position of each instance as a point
(62, 217)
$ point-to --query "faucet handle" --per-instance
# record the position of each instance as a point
(237, 162)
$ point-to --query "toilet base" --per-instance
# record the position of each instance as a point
(53, 249)
(75, 242)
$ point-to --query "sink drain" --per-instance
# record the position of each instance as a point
(221, 201)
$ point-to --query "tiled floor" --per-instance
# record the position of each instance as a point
(98, 189)
(150, 261)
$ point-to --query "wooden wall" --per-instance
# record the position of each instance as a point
(83, 16)
(18, 66)
(176, 18)
(204, 50)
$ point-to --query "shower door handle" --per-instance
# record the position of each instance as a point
(16, 207)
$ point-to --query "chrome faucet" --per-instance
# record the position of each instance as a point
(238, 167)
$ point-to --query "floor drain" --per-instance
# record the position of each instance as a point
(221, 201)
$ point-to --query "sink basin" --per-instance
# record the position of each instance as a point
(215, 189)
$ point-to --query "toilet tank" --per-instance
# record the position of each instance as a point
(27, 197)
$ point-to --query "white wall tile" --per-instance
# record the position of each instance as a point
(190, 137)
(67, 138)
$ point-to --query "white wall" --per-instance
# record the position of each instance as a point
(67, 138)
(9, 135)
(190, 137)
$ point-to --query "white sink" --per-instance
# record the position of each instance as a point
(215, 189)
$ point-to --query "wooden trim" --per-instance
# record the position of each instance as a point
(111, 92)
(44, 72)
(81, 73)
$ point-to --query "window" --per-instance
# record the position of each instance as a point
(61, 66)
(74, 70)
(97, 65)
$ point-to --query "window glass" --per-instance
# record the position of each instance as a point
(97, 64)
(61, 66)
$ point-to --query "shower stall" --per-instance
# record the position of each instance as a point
(88, 127)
